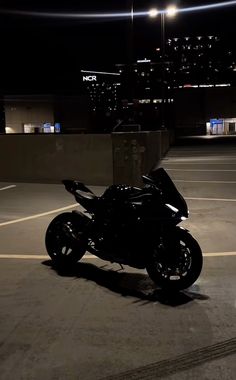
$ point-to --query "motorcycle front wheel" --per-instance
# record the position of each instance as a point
(64, 243)
(176, 272)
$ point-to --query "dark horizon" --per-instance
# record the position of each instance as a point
(49, 52)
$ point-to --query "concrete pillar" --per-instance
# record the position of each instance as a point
(134, 154)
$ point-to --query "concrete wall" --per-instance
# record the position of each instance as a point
(92, 159)
(51, 158)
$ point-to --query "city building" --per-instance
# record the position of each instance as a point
(42, 113)
(188, 89)
(201, 72)
(192, 89)
(199, 61)
(103, 90)
(145, 97)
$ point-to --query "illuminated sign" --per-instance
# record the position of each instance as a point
(89, 78)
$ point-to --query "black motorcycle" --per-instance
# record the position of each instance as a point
(132, 226)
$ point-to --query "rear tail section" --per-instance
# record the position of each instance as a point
(83, 195)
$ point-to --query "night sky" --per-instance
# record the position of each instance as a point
(47, 54)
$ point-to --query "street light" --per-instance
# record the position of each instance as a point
(153, 12)
(170, 11)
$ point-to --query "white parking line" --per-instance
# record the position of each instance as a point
(38, 215)
(35, 257)
(198, 162)
(197, 158)
(218, 254)
(211, 199)
(194, 181)
(88, 256)
(7, 187)
(200, 170)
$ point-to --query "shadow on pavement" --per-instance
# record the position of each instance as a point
(135, 285)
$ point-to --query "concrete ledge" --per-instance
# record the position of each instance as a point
(93, 159)
(51, 158)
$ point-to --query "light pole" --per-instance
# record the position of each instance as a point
(131, 31)
(169, 12)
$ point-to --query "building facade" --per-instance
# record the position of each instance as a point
(45, 114)
(191, 87)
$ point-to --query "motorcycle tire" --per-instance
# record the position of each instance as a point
(64, 243)
(175, 279)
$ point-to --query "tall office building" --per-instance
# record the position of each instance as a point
(199, 61)
(102, 88)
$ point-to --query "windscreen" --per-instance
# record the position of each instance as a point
(170, 194)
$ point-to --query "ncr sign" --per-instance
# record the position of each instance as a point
(89, 78)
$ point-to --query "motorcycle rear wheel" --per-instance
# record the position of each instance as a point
(184, 271)
(64, 243)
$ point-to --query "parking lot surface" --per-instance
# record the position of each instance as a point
(99, 322)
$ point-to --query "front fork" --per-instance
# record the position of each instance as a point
(169, 247)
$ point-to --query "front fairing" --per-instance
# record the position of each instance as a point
(171, 197)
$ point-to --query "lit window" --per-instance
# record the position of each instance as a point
(144, 101)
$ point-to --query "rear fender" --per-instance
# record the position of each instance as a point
(81, 220)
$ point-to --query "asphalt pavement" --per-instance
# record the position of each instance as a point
(99, 322)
